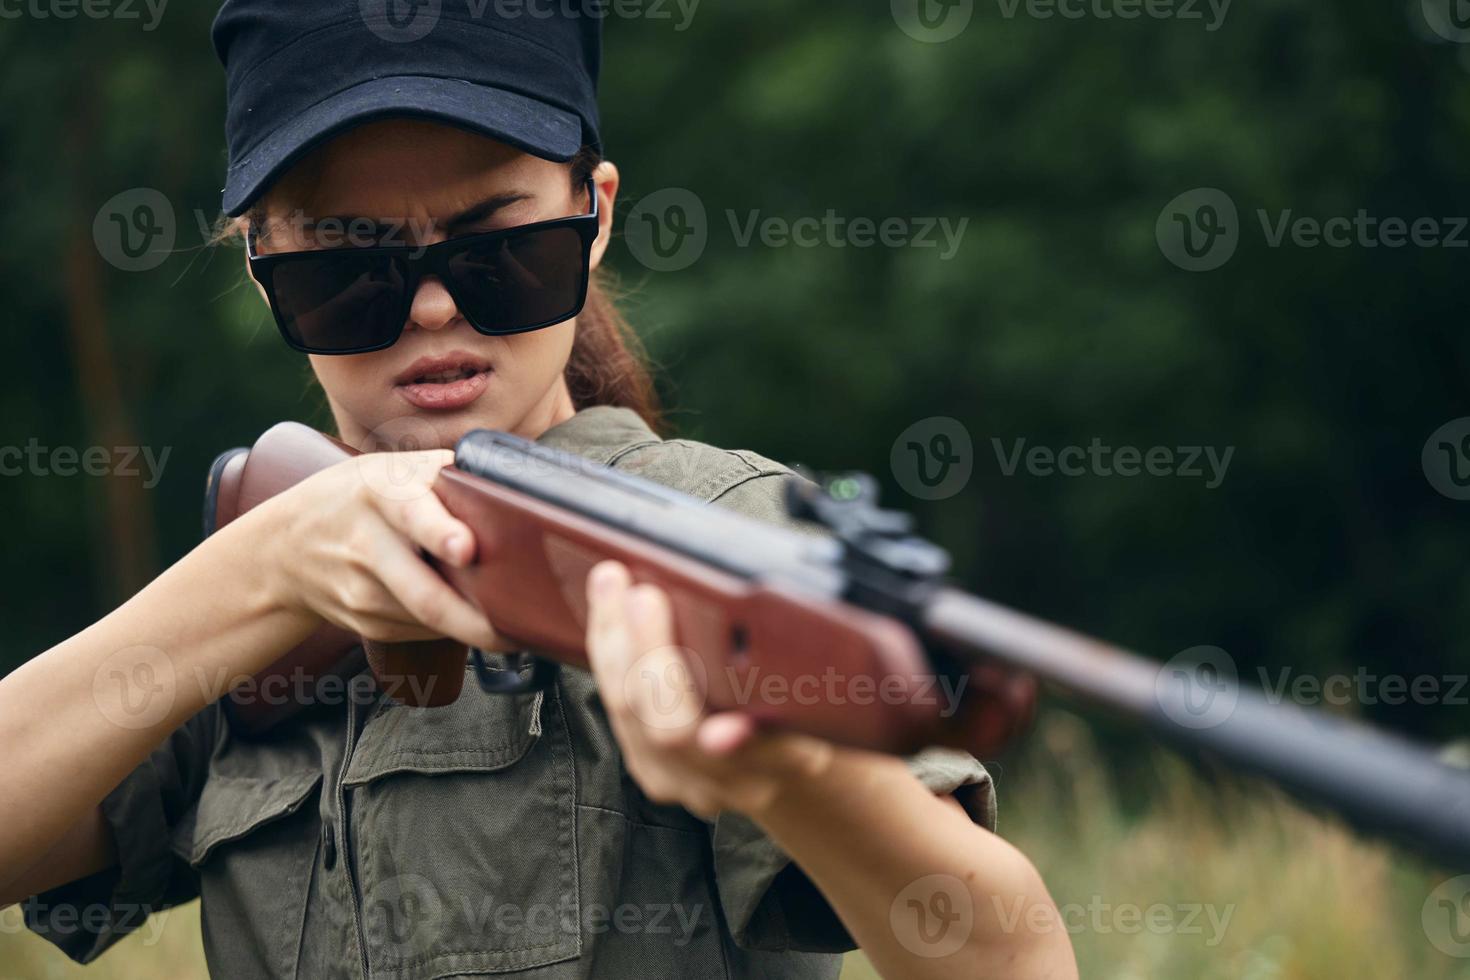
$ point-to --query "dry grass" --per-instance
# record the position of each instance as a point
(1305, 898)
(167, 949)
(1294, 897)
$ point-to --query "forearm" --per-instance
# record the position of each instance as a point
(870, 836)
(78, 718)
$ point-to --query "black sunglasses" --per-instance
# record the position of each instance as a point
(352, 300)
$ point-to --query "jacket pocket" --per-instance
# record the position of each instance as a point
(464, 827)
(253, 843)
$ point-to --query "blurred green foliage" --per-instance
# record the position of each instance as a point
(1058, 320)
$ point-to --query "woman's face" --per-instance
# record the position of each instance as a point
(423, 182)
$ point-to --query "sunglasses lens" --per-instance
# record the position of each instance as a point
(340, 301)
(521, 281)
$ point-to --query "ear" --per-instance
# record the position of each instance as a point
(605, 178)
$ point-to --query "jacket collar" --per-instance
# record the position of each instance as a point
(600, 432)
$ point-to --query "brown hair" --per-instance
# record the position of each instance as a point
(608, 364)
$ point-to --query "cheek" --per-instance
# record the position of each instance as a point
(536, 359)
(354, 380)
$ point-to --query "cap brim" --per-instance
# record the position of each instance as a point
(528, 124)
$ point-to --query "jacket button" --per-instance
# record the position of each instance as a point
(329, 847)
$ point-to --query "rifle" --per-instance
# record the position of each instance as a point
(759, 609)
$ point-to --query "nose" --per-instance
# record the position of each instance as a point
(432, 308)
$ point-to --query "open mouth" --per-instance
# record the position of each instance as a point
(445, 377)
(444, 382)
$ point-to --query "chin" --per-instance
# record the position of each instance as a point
(415, 431)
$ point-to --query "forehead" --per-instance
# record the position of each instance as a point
(410, 167)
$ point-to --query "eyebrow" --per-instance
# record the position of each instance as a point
(486, 208)
(479, 211)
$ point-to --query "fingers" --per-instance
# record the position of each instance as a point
(726, 733)
(654, 694)
(421, 516)
(644, 683)
(428, 599)
(606, 585)
(648, 684)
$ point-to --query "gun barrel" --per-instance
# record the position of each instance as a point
(1377, 781)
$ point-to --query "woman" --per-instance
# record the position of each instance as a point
(582, 833)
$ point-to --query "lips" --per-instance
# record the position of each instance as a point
(444, 381)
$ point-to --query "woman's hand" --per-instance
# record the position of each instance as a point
(345, 546)
(707, 763)
(677, 753)
(823, 804)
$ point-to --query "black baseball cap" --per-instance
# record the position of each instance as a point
(300, 71)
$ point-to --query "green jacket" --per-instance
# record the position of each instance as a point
(500, 835)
